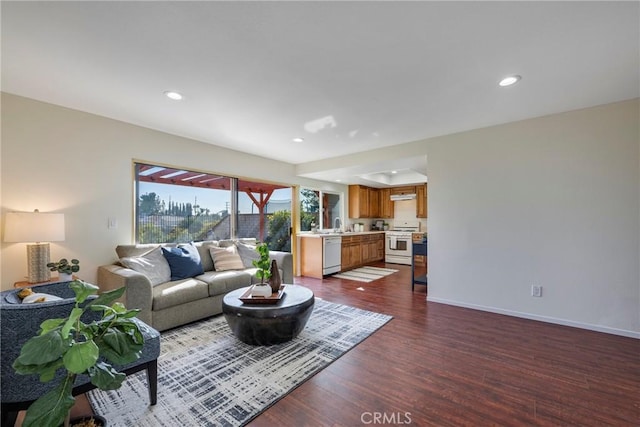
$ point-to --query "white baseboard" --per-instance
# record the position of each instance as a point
(565, 322)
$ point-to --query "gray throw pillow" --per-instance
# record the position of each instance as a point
(152, 264)
(248, 254)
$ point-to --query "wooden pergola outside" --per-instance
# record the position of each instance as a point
(258, 192)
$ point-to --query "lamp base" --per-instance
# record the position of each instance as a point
(37, 260)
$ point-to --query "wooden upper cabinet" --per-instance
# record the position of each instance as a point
(364, 202)
(367, 202)
(421, 201)
(358, 201)
(374, 203)
(409, 189)
(385, 203)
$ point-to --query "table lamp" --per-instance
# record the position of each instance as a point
(39, 228)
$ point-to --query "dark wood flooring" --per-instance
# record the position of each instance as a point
(439, 365)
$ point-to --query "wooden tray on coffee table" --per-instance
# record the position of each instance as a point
(274, 298)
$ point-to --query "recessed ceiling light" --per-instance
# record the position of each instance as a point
(298, 139)
(510, 80)
(394, 171)
(173, 95)
(338, 180)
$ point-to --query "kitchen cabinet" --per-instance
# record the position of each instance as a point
(380, 247)
(311, 257)
(358, 201)
(374, 203)
(371, 248)
(364, 202)
(351, 253)
(385, 203)
(356, 250)
(367, 202)
(421, 201)
(361, 249)
(401, 191)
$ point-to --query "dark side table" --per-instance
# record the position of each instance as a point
(267, 324)
(419, 248)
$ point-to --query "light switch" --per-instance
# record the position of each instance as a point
(112, 223)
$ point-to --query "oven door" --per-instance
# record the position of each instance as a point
(398, 245)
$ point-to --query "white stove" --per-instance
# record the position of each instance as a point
(398, 242)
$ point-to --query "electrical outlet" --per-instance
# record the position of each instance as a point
(536, 291)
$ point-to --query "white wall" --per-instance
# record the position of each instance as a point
(405, 211)
(60, 160)
(551, 201)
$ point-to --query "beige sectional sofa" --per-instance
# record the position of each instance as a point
(166, 301)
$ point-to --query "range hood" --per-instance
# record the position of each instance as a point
(397, 197)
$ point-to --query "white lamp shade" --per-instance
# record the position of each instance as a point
(34, 227)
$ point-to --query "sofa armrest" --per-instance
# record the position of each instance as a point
(285, 263)
(139, 293)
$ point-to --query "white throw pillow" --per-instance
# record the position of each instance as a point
(39, 297)
(152, 264)
(226, 258)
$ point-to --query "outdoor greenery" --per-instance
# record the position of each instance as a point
(309, 200)
(151, 204)
(160, 222)
(309, 208)
(278, 237)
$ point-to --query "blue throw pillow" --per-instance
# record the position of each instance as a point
(184, 261)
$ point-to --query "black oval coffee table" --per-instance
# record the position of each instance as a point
(268, 324)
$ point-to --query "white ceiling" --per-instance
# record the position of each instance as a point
(346, 76)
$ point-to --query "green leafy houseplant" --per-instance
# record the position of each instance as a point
(79, 348)
(64, 266)
(263, 264)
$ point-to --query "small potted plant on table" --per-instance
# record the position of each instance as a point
(65, 268)
(263, 264)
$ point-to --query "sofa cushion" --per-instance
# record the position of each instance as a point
(221, 282)
(248, 254)
(184, 261)
(226, 258)
(179, 292)
(205, 255)
(152, 264)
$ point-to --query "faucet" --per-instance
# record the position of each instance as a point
(336, 225)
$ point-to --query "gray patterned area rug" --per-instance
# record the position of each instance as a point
(206, 377)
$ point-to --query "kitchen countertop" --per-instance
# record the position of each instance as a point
(346, 233)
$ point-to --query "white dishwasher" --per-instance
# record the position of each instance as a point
(331, 254)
